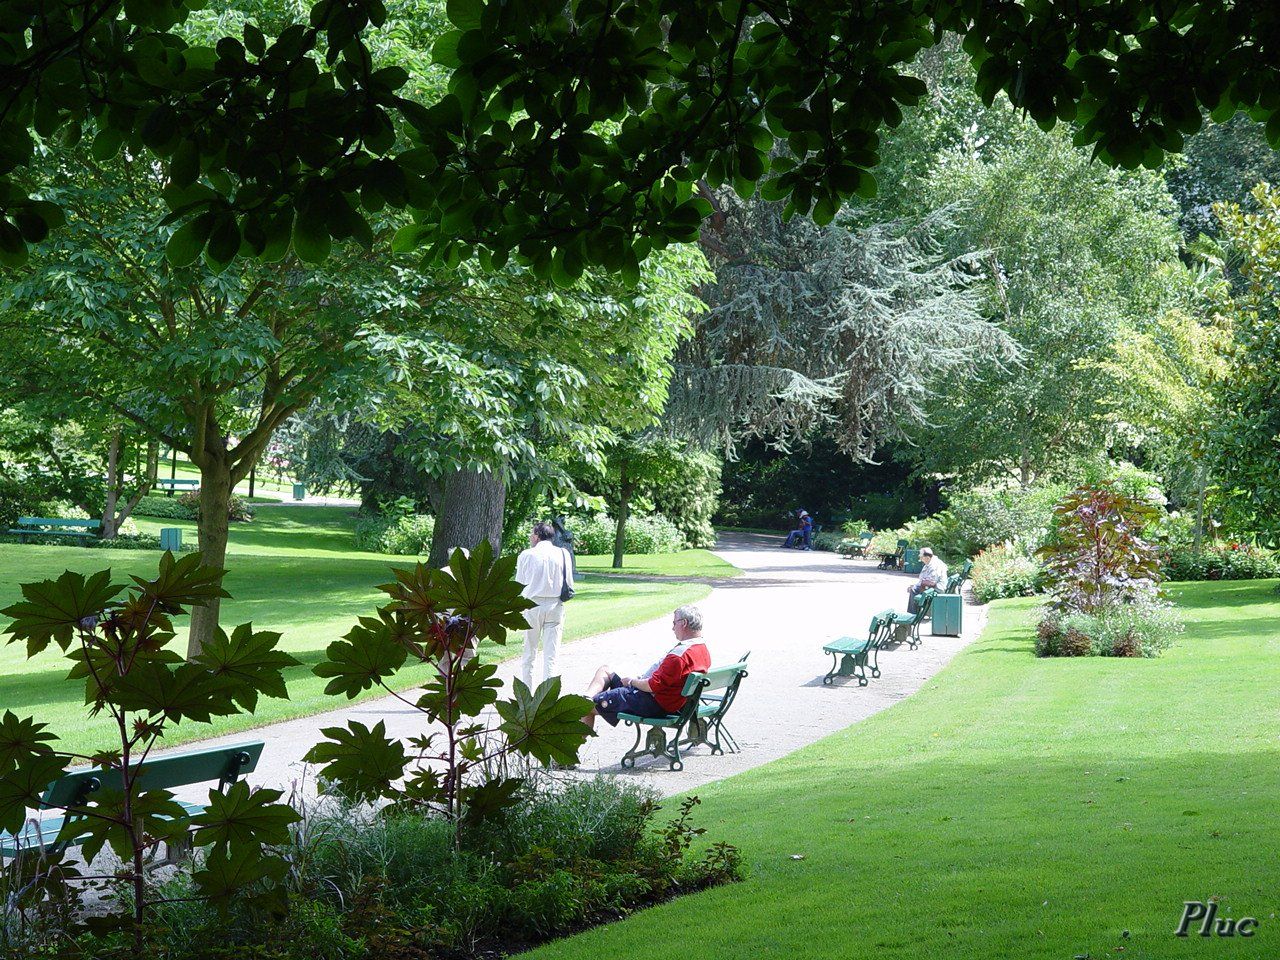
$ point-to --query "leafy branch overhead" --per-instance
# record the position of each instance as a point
(436, 618)
(572, 135)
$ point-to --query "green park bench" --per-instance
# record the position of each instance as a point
(55, 527)
(892, 561)
(170, 485)
(850, 656)
(71, 792)
(855, 548)
(702, 716)
(908, 624)
(959, 578)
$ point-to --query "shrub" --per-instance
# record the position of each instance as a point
(238, 510)
(16, 500)
(165, 508)
(1142, 628)
(405, 535)
(1099, 557)
(690, 497)
(1004, 571)
(828, 540)
(376, 885)
(983, 516)
(1220, 562)
(655, 534)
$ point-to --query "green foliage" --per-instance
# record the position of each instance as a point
(239, 509)
(562, 857)
(1143, 628)
(117, 647)
(1077, 258)
(17, 499)
(435, 618)
(980, 517)
(690, 498)
(1248, 419)
(1005, 571)
(1220, 561)
(654, 534)
(167, 508)
(392, 530)
(1098, 556)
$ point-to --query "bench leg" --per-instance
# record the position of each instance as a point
(629, 758)
(718, 746)
(846, 665)
(874, 653)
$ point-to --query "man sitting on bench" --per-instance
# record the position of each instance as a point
(659, 690)
(933, 575)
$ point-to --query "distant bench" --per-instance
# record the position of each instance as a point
(701, 716)
(73, 792)
(171, 485)
(852, 656)
(31, 527)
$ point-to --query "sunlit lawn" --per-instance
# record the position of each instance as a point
(290, 570)
(1013, 807)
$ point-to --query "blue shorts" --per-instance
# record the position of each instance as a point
(615, 699)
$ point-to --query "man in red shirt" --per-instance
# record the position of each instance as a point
(658, 691)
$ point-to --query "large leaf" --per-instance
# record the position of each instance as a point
(543, 724)
(475, 687)
(52, 609)
(242, 815)
(185, 692)
(369, 653)
(250, 662)
(155, 815)
(359, 763)
(483, 590)
(23, 784)
(232, 870)
(489, 798)
(182, 583)
(22, 739)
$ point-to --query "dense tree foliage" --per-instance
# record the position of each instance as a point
(839, 328)
(572, 134)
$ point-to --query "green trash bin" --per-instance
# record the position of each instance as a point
(171, 538)
(948, 609)
(299, 491)
(911, 561)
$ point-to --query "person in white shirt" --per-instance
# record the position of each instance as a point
(933, 576)
(544, 570)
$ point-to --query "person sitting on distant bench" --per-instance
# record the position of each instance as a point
(660, 689)
(802, 533)
(932, 577)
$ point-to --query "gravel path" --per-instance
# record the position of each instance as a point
(783, 607)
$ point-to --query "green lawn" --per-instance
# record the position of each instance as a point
(1014, 807)
(686, 563)
(290, 570)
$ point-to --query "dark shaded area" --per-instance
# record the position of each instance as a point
(762, 486)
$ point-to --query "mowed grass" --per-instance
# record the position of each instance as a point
(685, 563)
(290, 570)
(1014, 807)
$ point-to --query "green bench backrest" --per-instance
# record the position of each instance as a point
(717, 678)
(195, 766)
(924, 604)
(866, 535)
(903, 544)
(57, 522)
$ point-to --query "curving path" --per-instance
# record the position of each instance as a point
(782, 608)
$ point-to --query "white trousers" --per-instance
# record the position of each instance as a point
(546, 620)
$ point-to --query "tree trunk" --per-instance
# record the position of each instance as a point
(109, 525)
(470, 511)
(215, 498)
(624, 509)
(1200, 498)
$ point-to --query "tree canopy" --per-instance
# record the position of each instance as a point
(573, 134)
